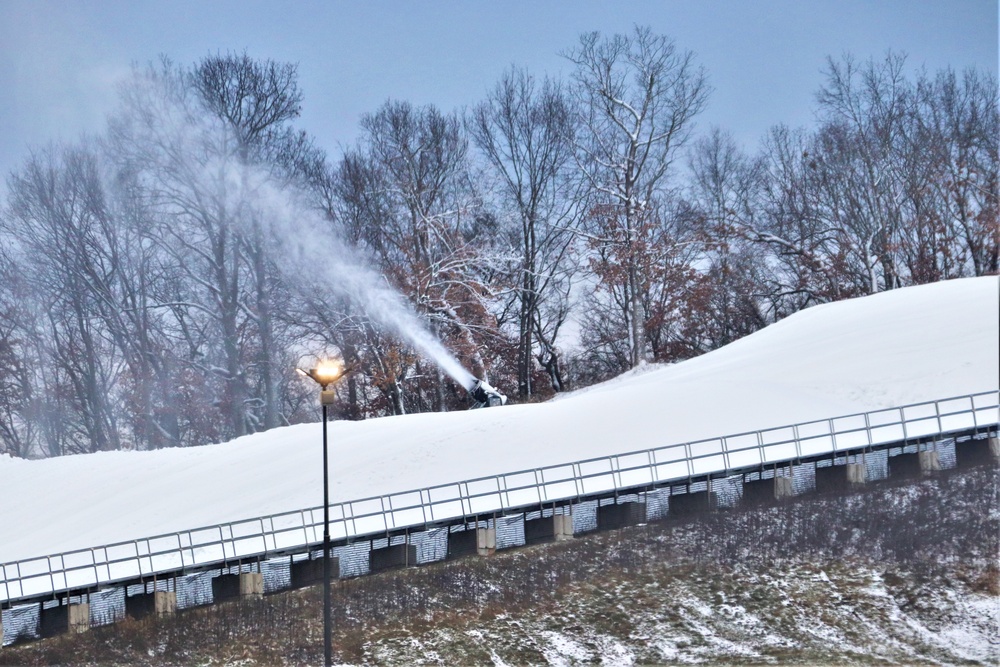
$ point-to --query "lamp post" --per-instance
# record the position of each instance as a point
(326, 373)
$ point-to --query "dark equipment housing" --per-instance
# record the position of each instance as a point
(485, 396)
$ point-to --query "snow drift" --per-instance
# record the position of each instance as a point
(894, 348)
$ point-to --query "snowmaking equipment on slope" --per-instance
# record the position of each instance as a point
(484, 395)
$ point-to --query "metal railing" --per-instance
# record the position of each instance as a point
(297, 531)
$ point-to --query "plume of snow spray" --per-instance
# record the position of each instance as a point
(303, 240)
(199, 148)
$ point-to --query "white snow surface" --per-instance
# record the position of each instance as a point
(893, 348)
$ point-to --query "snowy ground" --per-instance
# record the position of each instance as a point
(894, 348)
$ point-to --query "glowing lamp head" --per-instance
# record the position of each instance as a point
(326, 372)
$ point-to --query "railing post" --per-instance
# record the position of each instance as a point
(97, 576)
(263, 537)
(354, 524)
(222, 541)
(505, 496)
(385, 520)
(463, 492)
(138, 558)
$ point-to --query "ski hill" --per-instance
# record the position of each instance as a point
(894, 348)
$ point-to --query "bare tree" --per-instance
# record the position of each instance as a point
(198, 141)
(807, 263)
(256, 100)
(19, 352)
(725, 199)
(525, 131)
(956, 137)
(253, 98)
(637, 95)
(862, 182)
(58, 210)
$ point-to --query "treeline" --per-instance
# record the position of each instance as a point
(160, 282)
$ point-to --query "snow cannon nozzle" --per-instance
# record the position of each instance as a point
(485, 396)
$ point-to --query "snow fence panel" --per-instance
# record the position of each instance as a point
(521, 488)
(671, 463)
(406, 509)
(707, 456)
(367, 516)
(634, 469)
(483, 495)
(815, 438)
(557, 482)
(445, 501)
(744, 450)
(850, 432)
(596, 476)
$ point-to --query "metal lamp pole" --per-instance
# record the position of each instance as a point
(325, 399)
(326, 374)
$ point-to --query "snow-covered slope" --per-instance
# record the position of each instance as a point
(894, 348)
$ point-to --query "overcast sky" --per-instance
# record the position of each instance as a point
(60, 59)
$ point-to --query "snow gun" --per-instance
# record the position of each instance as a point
(485, 396)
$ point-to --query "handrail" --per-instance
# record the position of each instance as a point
(289, 532)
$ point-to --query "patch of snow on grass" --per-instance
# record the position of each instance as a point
(562, 650)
